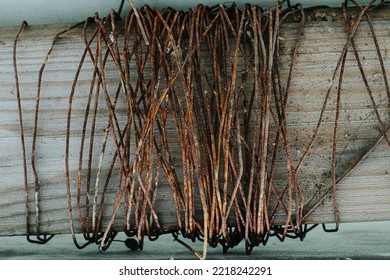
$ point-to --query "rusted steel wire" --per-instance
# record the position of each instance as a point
(39, 239)
(206, 82)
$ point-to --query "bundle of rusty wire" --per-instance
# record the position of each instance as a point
(205, 83)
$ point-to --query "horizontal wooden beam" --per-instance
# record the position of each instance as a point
(364, 195)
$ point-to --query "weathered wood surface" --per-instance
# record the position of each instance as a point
(364, 195)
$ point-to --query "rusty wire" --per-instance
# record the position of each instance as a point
(40, 239)
(214, 73)
(352, 27)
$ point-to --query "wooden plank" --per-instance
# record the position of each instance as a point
(363, 196)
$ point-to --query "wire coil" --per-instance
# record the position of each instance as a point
(206, 82)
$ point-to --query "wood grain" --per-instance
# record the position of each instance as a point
(364, 195)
